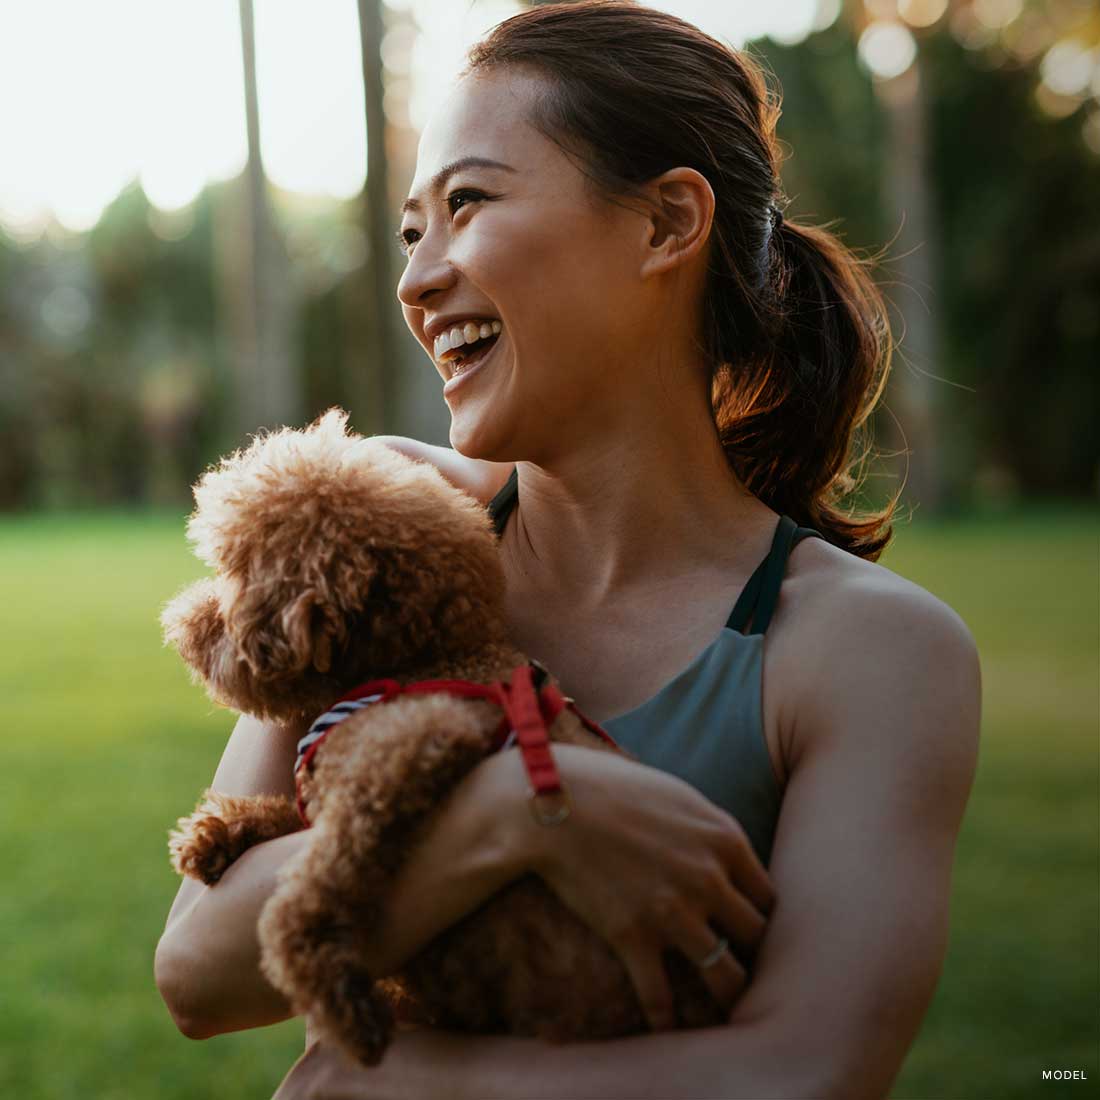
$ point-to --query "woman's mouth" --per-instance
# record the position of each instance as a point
(470, 362)
(463, 337)
(463, 348)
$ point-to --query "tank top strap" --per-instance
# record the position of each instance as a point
(502, 503)
(759, 597)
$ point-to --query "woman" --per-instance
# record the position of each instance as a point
(674, 390)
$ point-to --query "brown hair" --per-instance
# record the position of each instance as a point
(795, 329)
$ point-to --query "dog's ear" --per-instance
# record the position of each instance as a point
(288, 634)
(197, 622)
(193, 622)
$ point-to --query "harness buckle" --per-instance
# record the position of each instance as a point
(544, 814)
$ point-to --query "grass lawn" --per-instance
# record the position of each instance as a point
(107, 743)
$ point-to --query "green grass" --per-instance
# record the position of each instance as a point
(1021, 981)
(107, 742)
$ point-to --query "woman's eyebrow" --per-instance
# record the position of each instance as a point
(448, 170)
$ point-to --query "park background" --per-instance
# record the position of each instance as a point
(197, 209)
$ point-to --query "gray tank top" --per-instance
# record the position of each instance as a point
(706, 725)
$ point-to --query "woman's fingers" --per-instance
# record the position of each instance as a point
(743, 923)
(647, 973)
(726, 976)
(744, 868)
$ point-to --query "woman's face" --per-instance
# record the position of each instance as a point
(525, 245)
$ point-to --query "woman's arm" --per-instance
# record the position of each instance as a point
(886, 745)
(640, 843)
(207, 961)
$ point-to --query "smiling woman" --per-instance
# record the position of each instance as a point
(675, 388)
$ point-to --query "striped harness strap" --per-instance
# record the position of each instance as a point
(529, 701)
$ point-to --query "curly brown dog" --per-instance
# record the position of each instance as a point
(338, 560)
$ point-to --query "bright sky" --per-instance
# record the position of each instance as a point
(94, 94)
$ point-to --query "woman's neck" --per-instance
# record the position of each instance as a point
(637, 506)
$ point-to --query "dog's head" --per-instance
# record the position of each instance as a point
(337, 559)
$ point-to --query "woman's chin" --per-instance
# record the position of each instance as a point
(477, 418)
(473, 429)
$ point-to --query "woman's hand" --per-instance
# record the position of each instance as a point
(649, 863)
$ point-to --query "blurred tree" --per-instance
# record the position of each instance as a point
(108, 381)
(374, 377)
(915, 308)
(258, 293)
(116, 370)
(1009, 250)
(1017, 195)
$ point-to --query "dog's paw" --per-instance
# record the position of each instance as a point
(201, 848)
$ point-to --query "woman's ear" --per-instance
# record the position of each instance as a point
(678, 226)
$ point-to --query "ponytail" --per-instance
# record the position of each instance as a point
(790, 416)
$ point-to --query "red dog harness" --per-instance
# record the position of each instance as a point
(529, 701)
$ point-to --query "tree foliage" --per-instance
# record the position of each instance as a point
(114, 363)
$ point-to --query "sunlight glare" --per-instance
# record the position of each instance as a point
(312, 120)
(887, 49)
(152, 90)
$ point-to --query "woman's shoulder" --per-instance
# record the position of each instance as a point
(851, 625)
(476, 477)
(830, 584)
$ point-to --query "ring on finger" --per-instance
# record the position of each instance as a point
(712, 956)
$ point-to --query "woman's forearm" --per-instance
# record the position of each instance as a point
(477, 846)
(208, 960)
(747, 1062)
(207, 963)
(754, 1061)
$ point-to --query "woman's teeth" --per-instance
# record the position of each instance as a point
(468, 333)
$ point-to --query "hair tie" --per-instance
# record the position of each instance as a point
(777, 218)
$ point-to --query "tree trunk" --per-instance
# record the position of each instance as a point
(916, 373)
(373, 384)
(260, 303)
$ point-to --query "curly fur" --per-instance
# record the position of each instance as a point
(339, 560)
(336, 557)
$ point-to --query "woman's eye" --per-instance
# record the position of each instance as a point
(408, 237)
(458, 194)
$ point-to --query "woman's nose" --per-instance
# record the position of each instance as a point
(425, 273)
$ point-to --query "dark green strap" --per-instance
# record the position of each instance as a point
(760, 596)
(742, 610)
(502, 503)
